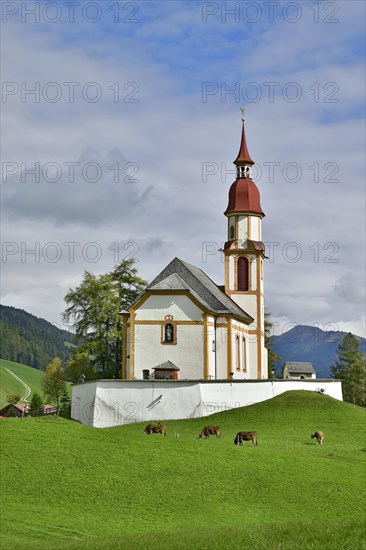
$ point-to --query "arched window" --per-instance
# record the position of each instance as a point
(237, 353)
(244, 349)
(243, 273)
(168, 332)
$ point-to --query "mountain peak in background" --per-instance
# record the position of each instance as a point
(310, 343)
(35, 342)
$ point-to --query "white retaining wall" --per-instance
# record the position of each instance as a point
(107, 403)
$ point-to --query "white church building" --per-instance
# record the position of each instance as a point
(186, 327)
(190, 347)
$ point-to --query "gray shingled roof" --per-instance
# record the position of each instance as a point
(179, 275)
(298, 367)
(165, 366)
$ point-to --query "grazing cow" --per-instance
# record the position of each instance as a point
(210, 430)
(246, 436)
(155, 429)
(319, 437)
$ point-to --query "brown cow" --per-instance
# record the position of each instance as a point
(319, 437)
(155, 429)
(246, 436)
(210, 430)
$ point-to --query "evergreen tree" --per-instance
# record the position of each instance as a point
(65, 401)
(350, 367)
(53, 384)
(36, 403)
(94, 308)
(30, 340)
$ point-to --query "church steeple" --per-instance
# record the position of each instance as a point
(243, 161)
(244, 196)
(244, 250)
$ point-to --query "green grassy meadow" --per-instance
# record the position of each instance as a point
(65, 485)
(9, 384)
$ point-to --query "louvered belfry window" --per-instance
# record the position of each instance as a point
(243, 273)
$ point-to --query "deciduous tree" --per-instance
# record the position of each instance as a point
(13, 398)
(53, 384)
(78, 366)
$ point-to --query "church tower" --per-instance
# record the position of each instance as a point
(244, 251)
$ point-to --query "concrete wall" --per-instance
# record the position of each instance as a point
(107, 403)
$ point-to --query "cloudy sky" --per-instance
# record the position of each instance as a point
(120, 122)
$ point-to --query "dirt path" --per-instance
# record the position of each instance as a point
(26, 387)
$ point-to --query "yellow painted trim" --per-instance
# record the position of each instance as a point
(158, 322)
(244, 349)
(247, 292)
(259, 324)
(245, 251)
(236, 273)
(162, 324)
(186, 293)
(124, 345)
(240, 329)
(227, 278)
(205, 348)
(237, 340)
(131, 373)
(229, 349)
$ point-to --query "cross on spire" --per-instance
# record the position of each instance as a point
(243, 161)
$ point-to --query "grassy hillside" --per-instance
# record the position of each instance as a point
(8, 384)
(80, 487)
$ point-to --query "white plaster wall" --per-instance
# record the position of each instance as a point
(252, 352)
(248, 302)
(253, 272)
(221, 351)
(243, 229)
(211, 350)
(156, 307)
(110, 403)
(231, 272)
(254, 228)
(83, 403)
(264, 363)
(187, 354)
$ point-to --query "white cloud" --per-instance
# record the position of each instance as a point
(169, 133)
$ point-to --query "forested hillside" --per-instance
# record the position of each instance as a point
(307, 343)
(32, 341)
